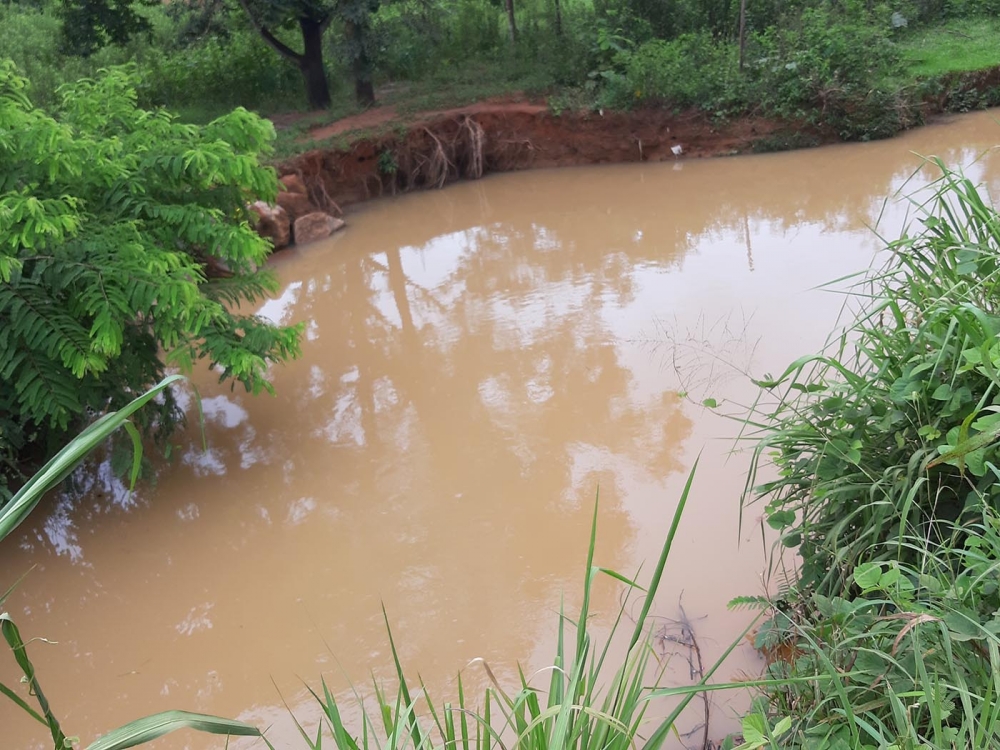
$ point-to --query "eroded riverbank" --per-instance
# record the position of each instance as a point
(378, 154)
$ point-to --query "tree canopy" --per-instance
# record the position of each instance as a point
(90, 24)
(125, 249)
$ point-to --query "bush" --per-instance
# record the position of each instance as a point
(29, 35)
(220, 73)
(123, 233)
(831, 67)
(691, 71)
(908, 661)
(895, 432)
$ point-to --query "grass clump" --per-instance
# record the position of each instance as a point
(886, 450)
(911, 653)
(894, 430)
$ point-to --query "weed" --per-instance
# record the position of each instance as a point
(387, 164)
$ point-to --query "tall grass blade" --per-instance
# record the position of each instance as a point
(17, 647)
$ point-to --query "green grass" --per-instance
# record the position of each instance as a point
(955, 47)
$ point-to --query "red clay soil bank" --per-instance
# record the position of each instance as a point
(433, 149)
(469, 142)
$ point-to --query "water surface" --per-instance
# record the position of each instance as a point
(478, 364)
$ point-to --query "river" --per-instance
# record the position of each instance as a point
(478, 363)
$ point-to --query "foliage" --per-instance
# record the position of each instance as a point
(690, 71)
(832, 67)
(123, 233)
(718, 18)
(12, 514)
(220, 73)
(886, 449)
(89, 25)
(893, 432)
(313, 18)
(913, 656)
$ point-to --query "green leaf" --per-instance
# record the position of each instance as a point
(867, 575)
(144, 730)
(755, 730)
(779, 519)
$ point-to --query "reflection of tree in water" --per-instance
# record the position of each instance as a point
(465, 416)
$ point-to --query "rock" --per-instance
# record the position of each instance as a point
(315, 226)
(293, 184)
(273, 223)
(295, 204)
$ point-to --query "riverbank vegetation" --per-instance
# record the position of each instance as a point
(886, 449)
(125, 248)
(859, 68)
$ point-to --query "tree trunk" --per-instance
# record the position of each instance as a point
(364, 92)
(558, 18)
(311, 64)
(361, 67)
(743, 31)
(511, 20)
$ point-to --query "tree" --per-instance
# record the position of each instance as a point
(88, 25)
(358, 45)
(313, 17)
(511, 20)
(123, 234)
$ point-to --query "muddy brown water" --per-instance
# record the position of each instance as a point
(477, 363)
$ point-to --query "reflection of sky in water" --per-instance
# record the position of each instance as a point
(279, 309)
(711, 351)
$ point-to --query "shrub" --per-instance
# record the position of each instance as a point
(690, 71)
(123, 233)
(910, 660)
(220, 72)
(887, 454)
(29, 35)
(830, 67)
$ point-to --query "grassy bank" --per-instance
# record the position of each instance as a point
(954, 47)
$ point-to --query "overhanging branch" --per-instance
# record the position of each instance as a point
(276, 44)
